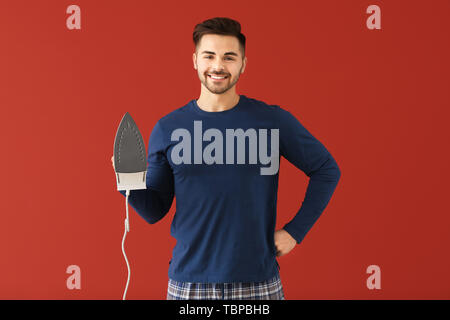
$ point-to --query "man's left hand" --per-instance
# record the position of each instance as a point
(284, 242)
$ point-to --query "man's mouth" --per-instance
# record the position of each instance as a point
(217, 78)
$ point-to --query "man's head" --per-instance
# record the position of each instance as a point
(219, 51)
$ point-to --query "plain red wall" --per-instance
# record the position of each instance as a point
(377, 99)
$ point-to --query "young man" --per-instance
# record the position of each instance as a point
(219, 155)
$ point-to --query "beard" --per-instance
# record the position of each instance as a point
(220, 87)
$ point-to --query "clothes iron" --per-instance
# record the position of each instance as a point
(130, 167)
(129, 156)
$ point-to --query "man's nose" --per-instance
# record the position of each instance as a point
(217, 66)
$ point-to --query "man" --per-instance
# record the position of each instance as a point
(219, 155)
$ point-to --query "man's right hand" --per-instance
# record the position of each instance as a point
(112, 160)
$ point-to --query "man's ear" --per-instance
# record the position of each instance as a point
(194, 59)
(244, 64)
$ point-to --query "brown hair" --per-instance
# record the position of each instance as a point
(222, 26)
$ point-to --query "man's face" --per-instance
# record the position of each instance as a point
(219, 56)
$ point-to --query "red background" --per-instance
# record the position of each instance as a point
(377, 99)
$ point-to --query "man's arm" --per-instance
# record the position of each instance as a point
(308, 154)
(150, 204)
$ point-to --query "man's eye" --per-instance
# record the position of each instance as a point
(207, 57)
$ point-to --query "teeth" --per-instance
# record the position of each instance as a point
(214, 77)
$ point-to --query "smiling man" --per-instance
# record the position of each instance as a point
(219, 155)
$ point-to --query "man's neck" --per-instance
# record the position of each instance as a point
(217, 103)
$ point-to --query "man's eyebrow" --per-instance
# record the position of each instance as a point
(230, 53)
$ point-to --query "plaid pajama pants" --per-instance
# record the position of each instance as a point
(271, 289)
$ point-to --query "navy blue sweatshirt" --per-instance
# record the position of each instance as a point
(222, 167)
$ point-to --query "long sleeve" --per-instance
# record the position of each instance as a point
(154, 203)
(308, 154)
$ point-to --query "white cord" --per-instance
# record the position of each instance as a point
(127, 229)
